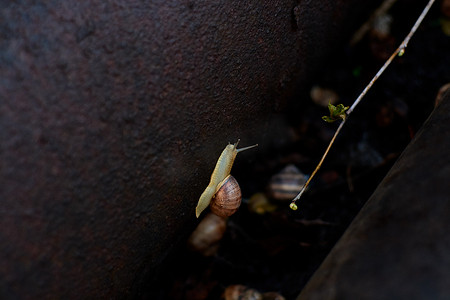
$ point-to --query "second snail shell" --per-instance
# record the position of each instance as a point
(227, 198)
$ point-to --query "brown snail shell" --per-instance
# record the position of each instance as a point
(227, 198)
(285, 185)
(241, 292)
(205, 239)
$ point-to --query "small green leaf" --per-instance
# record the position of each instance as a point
(336, 113)
(328, 119)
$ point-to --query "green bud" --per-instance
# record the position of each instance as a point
(336, 113)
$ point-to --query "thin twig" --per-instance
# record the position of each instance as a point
(399, 51)
(321, 161)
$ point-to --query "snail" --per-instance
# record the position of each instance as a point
(206, 237)
(286, 184)
(242, 292)
(219, 178)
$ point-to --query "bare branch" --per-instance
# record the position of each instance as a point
(399, 51)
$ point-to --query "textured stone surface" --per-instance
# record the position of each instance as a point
(398, 246)
(112, 114)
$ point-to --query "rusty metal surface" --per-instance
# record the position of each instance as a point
(398, 246)
(112, 114)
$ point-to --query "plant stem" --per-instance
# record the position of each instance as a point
(399, 51)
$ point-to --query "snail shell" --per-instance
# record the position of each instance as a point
(241, 292)
(205, 239)
(227, 198)
(287, 183)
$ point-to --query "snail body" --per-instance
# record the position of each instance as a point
(221, 171)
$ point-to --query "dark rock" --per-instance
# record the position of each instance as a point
(112, 115)
(398, 246)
